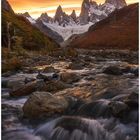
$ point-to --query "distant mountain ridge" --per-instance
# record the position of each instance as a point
(118, 31)
(62, 25)
(90, 12)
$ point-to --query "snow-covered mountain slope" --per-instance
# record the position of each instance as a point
(31, 20)
(67, 25)
(68, 31)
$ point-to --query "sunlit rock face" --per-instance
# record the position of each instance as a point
(74, 128)
(84, 16)
(92, 12)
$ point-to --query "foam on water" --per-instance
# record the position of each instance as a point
(73, 128)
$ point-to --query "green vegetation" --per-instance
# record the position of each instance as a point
(32, 38)
(10, 61)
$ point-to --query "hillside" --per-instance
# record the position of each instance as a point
(31, 37)
(118, 31)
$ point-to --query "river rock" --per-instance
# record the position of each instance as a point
(24, 90)
(75, 66)
(51, 86)
(95, 109)
(132, 100)
(50, 70)
(107, 93)
(28, 80)
(118, 108)
(69, 78)
(15, 84)
(44, 103)
(113, 70)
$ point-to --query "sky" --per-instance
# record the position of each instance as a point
(36, 7)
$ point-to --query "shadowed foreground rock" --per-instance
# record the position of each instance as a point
(44, 103)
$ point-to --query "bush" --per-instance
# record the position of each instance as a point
(12, 64)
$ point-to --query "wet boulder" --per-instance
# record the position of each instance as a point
(52, 86)
(119, 109)
(39, 85)
(15, 84)
(42, 104)
(28, 80)
(107, 93)
(24, 90)
(52, 76)
(69, 78)
(132, 100)
(113, 70)
(95, 109)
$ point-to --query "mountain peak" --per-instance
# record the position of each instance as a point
(26, 14)
(44, 15)
(6, 6)
(73, 15)
(93, 3)
(59, 8)
(59, 14)
(117, 3)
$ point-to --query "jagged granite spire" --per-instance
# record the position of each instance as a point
(59, 13)
(84, 16)
(44, 17)
(73, 15)
(26, 14)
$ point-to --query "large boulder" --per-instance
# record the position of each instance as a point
(42, 104)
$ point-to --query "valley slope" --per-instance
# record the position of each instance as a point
(118, 31)
(20, 27)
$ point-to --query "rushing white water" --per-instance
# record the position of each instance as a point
(73, 128)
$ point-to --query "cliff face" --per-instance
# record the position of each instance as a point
(92, 12)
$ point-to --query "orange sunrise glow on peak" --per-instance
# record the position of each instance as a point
(37, 7)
